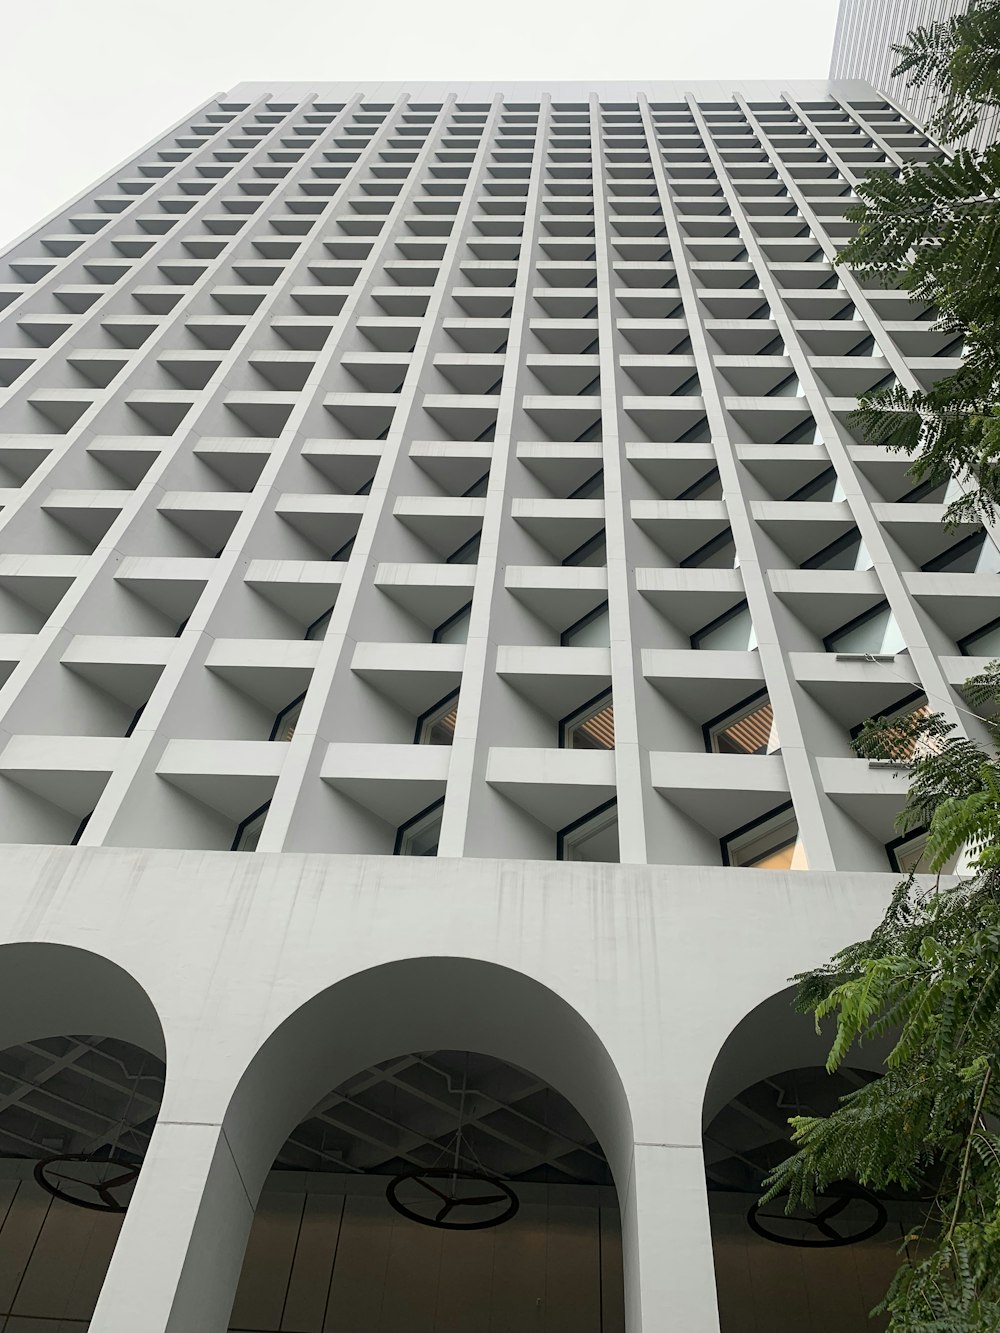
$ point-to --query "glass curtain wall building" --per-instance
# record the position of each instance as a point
(407, 490)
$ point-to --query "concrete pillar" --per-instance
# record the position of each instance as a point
(179, 1255)
(669, 1268)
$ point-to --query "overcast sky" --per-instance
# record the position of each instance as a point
(87, 82)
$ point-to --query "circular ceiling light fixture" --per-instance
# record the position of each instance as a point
(451, 1199)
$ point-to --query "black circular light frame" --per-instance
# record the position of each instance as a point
(842, 1194)
(495, 1192)
(104, 1201)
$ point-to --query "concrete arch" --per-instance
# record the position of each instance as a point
(413, 1004)
(49, 990)
(418, 1004)
(771, 1039)
(53, 990)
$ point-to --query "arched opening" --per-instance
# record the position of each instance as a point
(818, 1272)
(81, 1080)
(437, 1190)
(403, 1104)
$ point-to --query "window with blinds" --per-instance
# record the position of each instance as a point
(591, 727)
(747, 729)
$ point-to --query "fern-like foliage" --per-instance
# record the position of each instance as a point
(960, 59)
(934, 230)
(928, 979)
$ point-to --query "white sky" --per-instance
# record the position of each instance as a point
(87, 82)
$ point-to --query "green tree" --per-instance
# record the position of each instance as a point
(929, 977)
(934, 229)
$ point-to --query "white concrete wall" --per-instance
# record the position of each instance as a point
(274, 977)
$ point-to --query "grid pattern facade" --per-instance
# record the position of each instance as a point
(469, 471)
(862, 49)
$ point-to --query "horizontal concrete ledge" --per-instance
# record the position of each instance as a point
(394, 781)
(561, 578)
(15, 646)
(439, 506)
(277, 654)
(703, 684)
(320, 504)
(376, 761)
(684, 770)
(720, 792)
(230, 501)
(426, 575)
(42, 566)
(58, 754)
(222, 758)
(553, 786)
(572, 768)
(873, 796)
(415, 675)
(296, 571)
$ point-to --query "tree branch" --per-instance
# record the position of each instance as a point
(968, 1153)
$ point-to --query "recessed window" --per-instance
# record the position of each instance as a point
(591, 631)
(248, 830)
(732, 631)
(592, 552)
(805, 433)
(769, 843)
(746, 729)
(479, 487)
(420, 835)
(136, 716)
(906, 854)
(984, 642)
(719, 553)
(456, 628)
(874, 632)
(591, 727)
(700, 432)
(467, 553)
(708, 487)
(81, 828)
(344, 552)
(284, 723)
(847, 552)
(317, 630)
(825, 487)
(931, 492)
(594, 837)
(974, 555)
(592, 488)
(787, 388)
(437, 725)
(902, 746)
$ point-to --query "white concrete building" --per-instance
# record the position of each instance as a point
(863, 40)
(459, 475)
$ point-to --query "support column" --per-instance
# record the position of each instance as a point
(669, 1266)
(179, 1255)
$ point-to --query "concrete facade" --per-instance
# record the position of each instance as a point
(867, 29)
(438, 584)
(603, 980)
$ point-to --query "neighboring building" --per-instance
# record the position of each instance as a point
(862, 49)
(439, 582)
